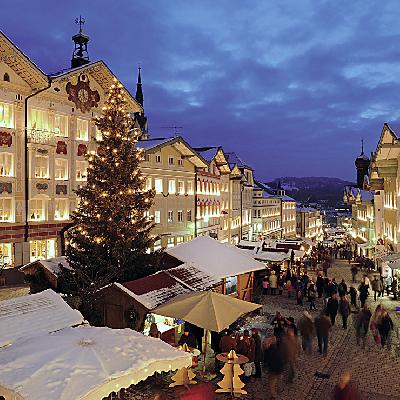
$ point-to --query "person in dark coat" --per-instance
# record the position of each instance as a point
(274, 362)
(344, 310)
(257, 351)
(322, 327)
(227, 342)
(362, 325)
(363, 290)
(342, 288)
(311, 296)
(353, 297)
(306, 328)
(354, 271)
(320, 285)
(385, 328)
(279, 323)
(187, 338)
(332, 308)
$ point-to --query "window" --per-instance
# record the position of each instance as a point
(6, 164)
(179, 239)
(6, 77)
(180, 162)
(42, 167)
(6, 256)
(231, 285)
(61, 212)
(6, 210)
(147, 157)
(157, 245)
(82, 129)
(148, 184)
(189, 215)
(39, 120)
(170, 160)
(6, 115)
(37, 210)
(157, 217)
(181, 187)
(171, 242)
(81, 170)
(158, 158)
(42, 249)
(171, 186)
(180, 216)
(189, 187)
(158, 185)
(60, 169)
(170, 217)
(60, 125)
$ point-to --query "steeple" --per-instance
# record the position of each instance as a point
(280, 191)
(80, 54)
(362, 166)
(139, 91)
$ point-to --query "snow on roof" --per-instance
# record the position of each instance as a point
(208, 153)
(287, 198)
(52, 264)
(157, 289)
(151, 143)
(37, 313)
(267, 256)
(214, 258)
(306, 209)
(83, 363)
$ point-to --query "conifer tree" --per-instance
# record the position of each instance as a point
(110, 232)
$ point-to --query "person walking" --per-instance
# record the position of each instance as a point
(332, 308)
(385, 328)
(362, 324)
(377, 287)
(320, 285)
(342, 288)
(388, 284)
(345, 389)
(246, 347)
(289, 288)
(311, 296)
(376, 319)
(353, 297)
(344, 310)
(279, 323)
(306, 328)
(274, 362)
(354, 271)
(257, 351)
(299, 292)
(394, 288)
(363, 290)
(322, 327)
(290, 350)
(265, 284)
(273, 283)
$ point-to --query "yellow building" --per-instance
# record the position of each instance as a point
(46, 127)
(309, 223)
(171, 167)
(288, 214)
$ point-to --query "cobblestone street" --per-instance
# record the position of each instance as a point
(376, 371)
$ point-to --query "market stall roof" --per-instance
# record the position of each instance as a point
(52, 264)
(214, 258)
(84, 363)
(391, 257)
(154, 290)
(267, 256)
(208, 310)
(34, 314)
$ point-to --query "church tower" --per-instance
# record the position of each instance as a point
(80, 55)
(362, 166)
(280, 191)
(140, 118)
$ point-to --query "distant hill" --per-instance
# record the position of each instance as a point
(313, 189)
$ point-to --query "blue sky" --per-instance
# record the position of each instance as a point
(291, 86)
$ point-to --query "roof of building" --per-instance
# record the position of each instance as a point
(287, 198)
(52, 264)
(214, 258)
(262, 186)
(234, 159)
(33, 314)
(154, 290)
(365, 195)
(153, 143)
(305, 209)
(208, 153)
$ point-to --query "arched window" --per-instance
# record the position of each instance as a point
(6, 77)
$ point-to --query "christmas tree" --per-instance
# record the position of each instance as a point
(111, 227)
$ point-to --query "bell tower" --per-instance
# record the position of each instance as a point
(80, 55)
(362, 166)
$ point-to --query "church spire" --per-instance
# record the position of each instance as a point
(362, 146)
(139, 91)
(80, 55)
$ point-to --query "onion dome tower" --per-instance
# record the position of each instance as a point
(80, 56)
(362, 166)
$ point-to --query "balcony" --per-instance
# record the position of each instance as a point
(39, 136)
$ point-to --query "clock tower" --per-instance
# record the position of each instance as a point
(80, 56)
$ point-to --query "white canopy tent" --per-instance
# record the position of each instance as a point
(215, 258)
(267, 256)
(83, 363)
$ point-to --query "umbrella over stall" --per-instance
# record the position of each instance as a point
(83, 363)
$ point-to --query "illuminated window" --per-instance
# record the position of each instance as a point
(179, 239)
(149, 183)
(60, 169)
(181, 187)
(99, 135)
(42, 167)
(171, 186)
(158, 185)
(6, 210)
(189, 215)
(6, 115)
(171, 242)
(157, 245)
(61, 212)
(38, 209)
(231, 285)
(60, 125)
(82, 129)
(39, 120)
(6, 164)
(81, 170)
(189, 187)
(180, 216)
(6, 255)
(170, 216)
(42, 249)
(157, 217)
